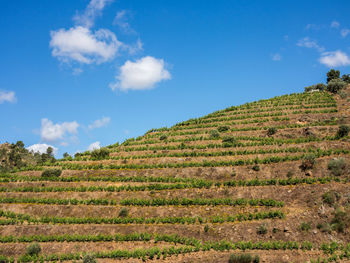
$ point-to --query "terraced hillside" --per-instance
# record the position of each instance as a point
(270, 178)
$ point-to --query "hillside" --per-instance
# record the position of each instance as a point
(270, 178)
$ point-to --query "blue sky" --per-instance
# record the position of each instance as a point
(86, 73)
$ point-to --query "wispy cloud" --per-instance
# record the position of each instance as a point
(312, 27)
(141, 74)
(276, 57)
(308, 43)
(121, 20)
(334, 59)
(335, 24)
(99, 123)
(7, 96)
(94, 9)
(344, 32)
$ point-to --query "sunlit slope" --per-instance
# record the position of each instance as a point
(268, 178)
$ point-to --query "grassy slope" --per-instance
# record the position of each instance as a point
(187, 161)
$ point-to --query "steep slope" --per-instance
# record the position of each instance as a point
(270, 178)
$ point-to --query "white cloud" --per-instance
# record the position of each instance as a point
(9, 96)
(276, 57)
(334, 59)
(121, 21)
(140, 75)
(308, 43)
(41, 148)
(99, 123)
(312, 27)
(53, 132)
(77, 71)
(335, 24)
(93, 10)
(138, 46)
(94, 146)
(79, 44)
(344, 32)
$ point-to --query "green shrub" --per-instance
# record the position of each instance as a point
(308, 162)
(336, 166)
(343, 94)
(326, 228)
(256, 167)
(100, 153)
(333, 74)
(343, 131)
(271, 131)
(341, 220)
(214, 134)
(228, 141)
(223, 128)
(256, 259)
(318, 87)
(290, 174)
(163, 137)
(123, 212)
(305, 226)
(241, 258)
(206, 228)
(346, 78)
(335, 85)
(51, 173)
(330, 197)
(262, 230)
(89, 259)
(33, 249)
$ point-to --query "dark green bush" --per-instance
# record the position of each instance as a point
(163, 137)
(343, 131)
(326, 228)
(262, 230)
(336, 166)
(341, 220)
(333, 74)
(223, 128)
(318, 87)
(346, 78)
(123, 212)
(228, 141)
(336, 85)
(305, 226)
(206, 228)
(308, 162)
(89, 259)
(51, 173)
(241, 258)
(100, 153)
(33, 249)
(330, 197)
(256, 167)
(271, 131)
(214, 134)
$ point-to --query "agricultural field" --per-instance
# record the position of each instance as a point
(268, 180)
